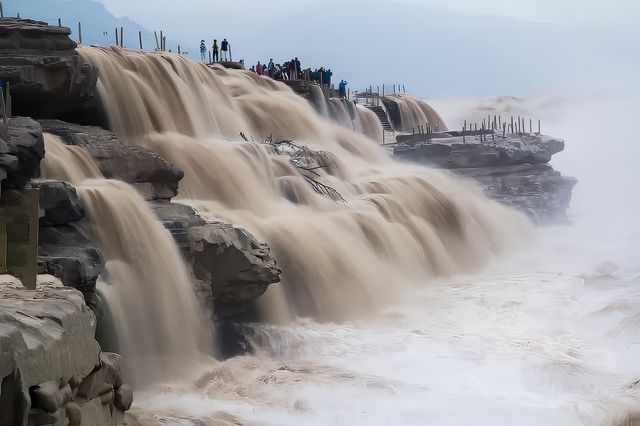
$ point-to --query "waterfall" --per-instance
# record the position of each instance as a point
(72, 164)
(148, 296)
(415, 112)
(400, 226)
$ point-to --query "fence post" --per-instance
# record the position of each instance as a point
(59, 22)
(121, 37)
(539, 128)
(140, 39)
(155, 34)
(394, 89)
(79, 32)
(464, 129)
(161, 41)
(117, 40)
(178, 49)
(230, 55)
(1, 11)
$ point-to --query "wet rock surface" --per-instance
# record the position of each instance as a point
(48, 78)
(231, 267)
(146, 170)
(21, 150)
(512, 170)
(51, 368)
(59, 203)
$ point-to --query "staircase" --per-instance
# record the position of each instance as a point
(389, 135)
(382, 116)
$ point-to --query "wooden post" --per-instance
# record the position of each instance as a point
(504, 130)
(164, 43)
(121, 37)
(383, 90)
(394, 89)
(155, 34)
(539, 128)
(117, 40)
(161, 41)
(403, 89)
(4, 108)
(512, 129)
(178, 49)
(1, 11)
(140, 39)
(79, 32)
(231, 55)
(59, 22)
(499, 121)
(531, 126)
(464, 129)
(210, 61)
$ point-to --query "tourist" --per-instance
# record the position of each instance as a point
(225, 48)
(215, 48)
(253, 68)
(259, 69)
(342, 89)
(271, 68)
(327, 77)
(292, 70)
(203, 51)
(297, 62)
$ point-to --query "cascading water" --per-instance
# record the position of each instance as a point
(146, 290)
(69, 163)
(399, 224)
(414, 112)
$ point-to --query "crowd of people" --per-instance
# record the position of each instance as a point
(292, 70)
(219, 52)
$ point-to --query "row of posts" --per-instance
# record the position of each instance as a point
(489, 125)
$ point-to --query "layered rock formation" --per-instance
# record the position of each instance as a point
(52, 371)
(48, 78)
(64, 249)
(234, 267)
(146, 170)
(512, 170)
(21, 150)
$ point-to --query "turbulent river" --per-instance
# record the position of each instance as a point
(419, 301)
(548, 334)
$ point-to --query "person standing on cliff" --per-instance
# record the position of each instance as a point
(342, 89)
(225, 48)
(271, 68)
(203, 50)
(215, 49)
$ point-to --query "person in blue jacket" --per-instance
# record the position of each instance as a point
(342, 89)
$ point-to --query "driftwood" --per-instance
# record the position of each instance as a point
(307, 161)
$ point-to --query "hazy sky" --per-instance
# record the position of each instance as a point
(559, 11)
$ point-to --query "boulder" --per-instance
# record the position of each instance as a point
(177, 218)
(237, 266)
(59, 203)
(67, 253)
(124, 397)
(48, 77)
(21, 149)
(146, 170)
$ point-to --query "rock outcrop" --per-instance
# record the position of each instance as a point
(146, 170)
(64, 248)
(512, 170)
(234, 267)
(52, 371)
(21, 150)
(47, 76)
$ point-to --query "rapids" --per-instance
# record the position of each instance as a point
(400, 223)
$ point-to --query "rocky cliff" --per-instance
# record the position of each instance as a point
(512, 169)
(48, 78)
(52, 371)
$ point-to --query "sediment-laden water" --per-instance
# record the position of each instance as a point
(417, 301)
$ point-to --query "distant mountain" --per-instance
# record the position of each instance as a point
(98, 24)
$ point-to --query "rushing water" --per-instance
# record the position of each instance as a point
(405, 328)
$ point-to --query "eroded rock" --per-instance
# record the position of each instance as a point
(146, 170)
(59, 203)
(48, 78)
